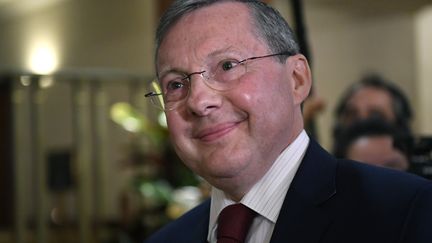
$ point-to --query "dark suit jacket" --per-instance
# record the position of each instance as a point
(335, 201)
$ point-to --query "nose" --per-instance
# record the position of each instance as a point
(201, 99)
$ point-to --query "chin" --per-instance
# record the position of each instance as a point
(226, 169)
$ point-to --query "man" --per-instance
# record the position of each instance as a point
(232, 82)
(373, 97)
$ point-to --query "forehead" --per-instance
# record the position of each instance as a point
(208, 30)
(372, 91)
(371, 95)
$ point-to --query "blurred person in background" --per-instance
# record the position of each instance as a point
(373, 97)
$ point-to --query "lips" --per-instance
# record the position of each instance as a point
(213, 133)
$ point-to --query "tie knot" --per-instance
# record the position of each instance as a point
(234, 223)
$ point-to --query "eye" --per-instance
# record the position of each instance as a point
(176, 89)
(349, 114)
(228, 64)
(175, 84)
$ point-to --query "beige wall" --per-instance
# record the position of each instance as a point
(85, 34)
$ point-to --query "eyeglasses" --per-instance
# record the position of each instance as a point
(169, 92)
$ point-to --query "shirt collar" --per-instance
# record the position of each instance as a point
(267, 195)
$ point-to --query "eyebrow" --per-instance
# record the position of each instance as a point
(229, 49)
(215, 53)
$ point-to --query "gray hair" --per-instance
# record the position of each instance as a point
(269, 24)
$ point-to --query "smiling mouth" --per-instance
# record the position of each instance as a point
(214, 133)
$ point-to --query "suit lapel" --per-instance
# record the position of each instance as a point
(200, 230)
(304, 216)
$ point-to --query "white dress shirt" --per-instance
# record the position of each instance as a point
(266, 196)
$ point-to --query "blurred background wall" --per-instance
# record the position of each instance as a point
(81, 34)
(73, 75)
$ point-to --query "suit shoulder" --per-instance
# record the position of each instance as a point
(379, 179)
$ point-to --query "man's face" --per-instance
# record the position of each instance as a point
(231, 137)
(369, 102)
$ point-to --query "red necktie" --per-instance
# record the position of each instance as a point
(234, 223)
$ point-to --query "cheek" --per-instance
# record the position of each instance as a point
(268, 101)
(184, 147)
(171, 122)
(176, 127)
(179, 131)
(245, 95)
(263, 88)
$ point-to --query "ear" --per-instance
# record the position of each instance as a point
(301, 77)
